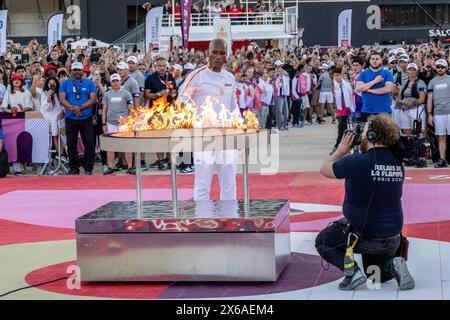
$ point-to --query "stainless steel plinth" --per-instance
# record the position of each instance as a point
(221, 246)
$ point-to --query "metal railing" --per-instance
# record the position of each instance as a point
(242, 19)
(205, 20)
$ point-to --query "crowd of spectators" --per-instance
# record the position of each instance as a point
(236, 11)
(288, 88)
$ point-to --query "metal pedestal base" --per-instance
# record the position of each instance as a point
(209, 241)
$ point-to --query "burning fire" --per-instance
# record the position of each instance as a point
(177, 115)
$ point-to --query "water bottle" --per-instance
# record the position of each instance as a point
(349, 262)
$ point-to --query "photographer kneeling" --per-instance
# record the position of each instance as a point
(373, 216)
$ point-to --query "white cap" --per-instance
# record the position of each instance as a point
(412, 65)
(189, 66)
(77, 65)
(132, 58)
(278, 63)
(391, 59)
(392, 51)
(404, 58)
(178, 67)
(122, 66)
(400, 50)
(442, 62)
(324, 66)
(115, 76)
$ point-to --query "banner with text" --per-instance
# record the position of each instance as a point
(345, 29)
(185, 10)
(153, 25)
(54, 29)
(3, 25)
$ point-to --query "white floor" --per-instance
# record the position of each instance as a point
(429, 264)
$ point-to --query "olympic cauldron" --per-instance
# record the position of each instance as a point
(207, 240)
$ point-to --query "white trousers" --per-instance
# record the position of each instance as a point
(226, 163)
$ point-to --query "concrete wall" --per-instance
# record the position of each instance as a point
(320, 22)
(107, 19)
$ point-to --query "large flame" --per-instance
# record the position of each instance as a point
(169, 116)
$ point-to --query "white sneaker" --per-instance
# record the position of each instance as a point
(404, 279)
(105, 168)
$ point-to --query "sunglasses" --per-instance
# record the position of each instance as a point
(441, 67)
(114, 81)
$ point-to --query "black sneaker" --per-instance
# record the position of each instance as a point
(87, 173)
(351, 283)
(441, 164)
(155, 164)
(108, 171)
(163, 165)
(19, 173)
(73, 172)
(409, 163)
(421, 163)
(131, 171)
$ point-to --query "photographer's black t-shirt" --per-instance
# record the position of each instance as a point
(373, 191)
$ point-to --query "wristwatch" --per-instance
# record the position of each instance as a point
(159, 95)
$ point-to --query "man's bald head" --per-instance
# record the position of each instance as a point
(217, 54)
(217, 43)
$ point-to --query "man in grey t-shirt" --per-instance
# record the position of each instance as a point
(129, 83)
(135, 74)
(117, 103)
(439, 102)
(325, 95)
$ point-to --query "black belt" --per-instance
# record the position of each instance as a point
(377, 239)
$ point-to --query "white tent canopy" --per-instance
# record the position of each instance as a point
(83, 43)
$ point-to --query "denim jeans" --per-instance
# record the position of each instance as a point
(262, 116)
(281, 111)
(331, 243)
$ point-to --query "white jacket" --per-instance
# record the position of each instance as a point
(348, 94)
(22, 98)
(49, 109)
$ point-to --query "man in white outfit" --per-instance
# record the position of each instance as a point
(219, 84)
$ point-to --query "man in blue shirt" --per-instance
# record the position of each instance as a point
(372, 208)
(4, 165)
(376, 85)
(77, 96)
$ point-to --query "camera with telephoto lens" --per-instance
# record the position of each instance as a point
(414, 148)
(357, 131)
